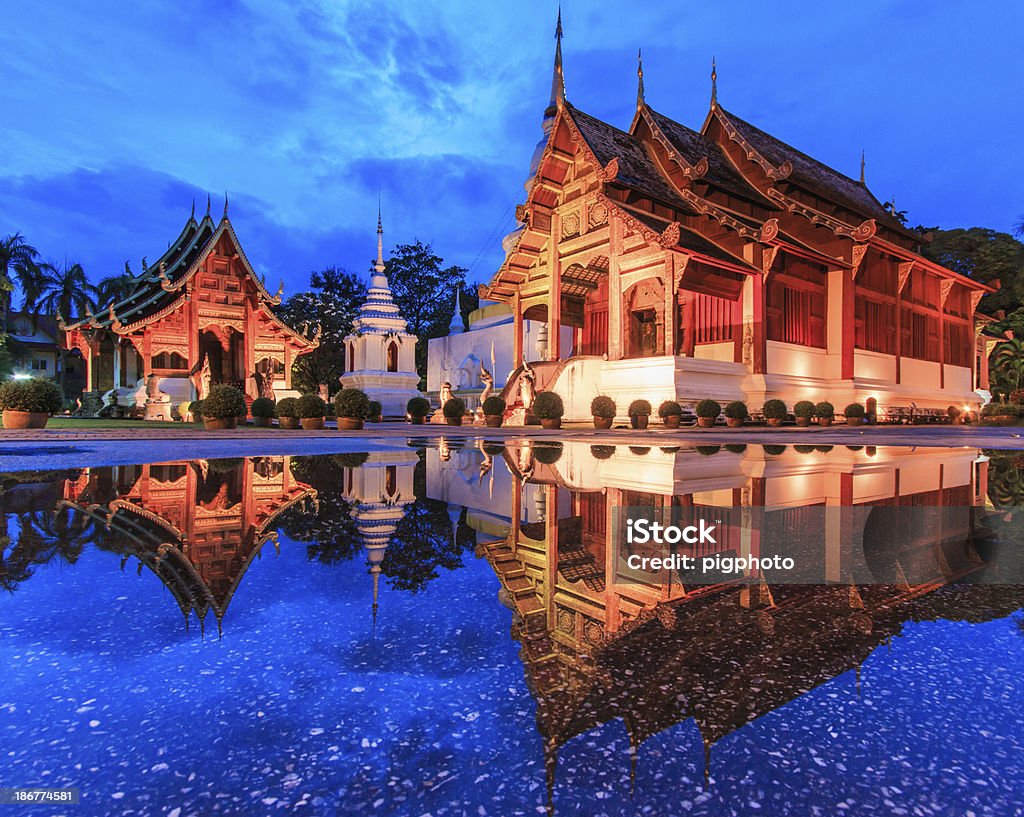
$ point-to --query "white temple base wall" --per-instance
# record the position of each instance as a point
(392, 390)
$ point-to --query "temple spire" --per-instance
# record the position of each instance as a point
(862, 165)
(379, 263)
(558, 80)
(714, 83)
(455, 327)
(639, 79)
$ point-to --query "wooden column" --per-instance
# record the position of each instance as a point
(848, 326)
(670, 303)
(616, 235)
(690, 339)
(554, 291)
(517, 331)
(759, 349)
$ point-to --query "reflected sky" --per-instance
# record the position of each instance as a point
(449, 630)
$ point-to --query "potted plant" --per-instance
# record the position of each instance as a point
(671, 413)
(287, 413)
(854, 414)
(376, 412)
(222, 407)
(29, 403)
(824, 411)
(196, 410)
(311, 409)
(603, 409)
(707, 412)
(602, 452)
(803, 412)
(953, 413)
(418, 408)
(774, 412)
(547, 453)
(547, 407)
(262, 410)
(453, 411)
(639, 412)
(494, 411)
(352, 407)
(735, 413)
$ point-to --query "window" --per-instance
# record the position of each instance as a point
(795, 304)
(875, 326)
(713, 317)
(40, 365)
(957, 350)
(920, 335)
(392, 357)
(169, 360)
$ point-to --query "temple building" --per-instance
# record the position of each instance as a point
(722, 263)
(198, 316)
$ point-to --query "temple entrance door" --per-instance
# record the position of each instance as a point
(237, 374)
(104, 371)
(643, 308)
(594, 339)
(210, 348)
(643, 334)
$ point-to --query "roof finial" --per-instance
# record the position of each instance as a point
(225, 204)
(862, 165)
(558, 80)
(379, 265)
(193, 216)
(207, 204)
(640, 79)
(714, 83)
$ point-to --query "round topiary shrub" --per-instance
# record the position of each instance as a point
(224, 403)
(454, 408)
(262, 407)
(548, 406)
(310, 407)
(196, 407)
(602, 406)
(952, 412)
(350, 460)
(736, 448)
(416, 407)
(354, 404)
(804, 410)
(774, 450)
(639, 408)
(548, 453)
(36, 396)
(774, 410)
(494, 405)
(708, 450)
(602, 452)
(287, 407)
(824, 410)
(708, 409)
(670, 408)
(736, 410)
(804, 449)
(376, 408)
(854, 411)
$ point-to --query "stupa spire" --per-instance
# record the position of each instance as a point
(455, 327)
(558, 78)
(639, 79)
(379, 264)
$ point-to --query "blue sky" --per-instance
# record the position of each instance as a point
(115, 115)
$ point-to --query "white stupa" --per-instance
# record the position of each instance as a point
(380, 355)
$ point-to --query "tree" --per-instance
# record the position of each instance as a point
(984, 255)
(1018, 228)
(424, 290)
(332, 303)
(19, 261)
(65, 292)
(1006, 366)
(115, 288)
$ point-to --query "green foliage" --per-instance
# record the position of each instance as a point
(352, 404)
(494, 405)
(310, 407)
(604, 407)
(736, 448)
(196, 407)
(223, 403)
(351, 459)
(262, 407)
(805, 409)
(639, 408)
(287, 407)
(418, 407)
(824, 410)
(708, 409)
(670, 408)
(376, 409)
(35, 395)
(1002, 410)
(804, 449)
(736, 410)
(454, 408)
(854, 411)
(547, 453)
(774, 410)
(774, 450)
(984, 255)
(548, 406)
(1006, 365)
(708, 450)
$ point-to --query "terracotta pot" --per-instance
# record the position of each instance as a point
(218, 424)
(706, 422)
(493, 420)
(551, 422)
(733, 422)
(261, 422)
(603, 422)
(453, 421)
(349, 424)
(825, 421)
(311, 423)
(775, 422)
(672, 421)
(378, 419)
(639, 420)
(288, 422)
(855, 421)
(417, 421)
(803, 422)
(25, 419)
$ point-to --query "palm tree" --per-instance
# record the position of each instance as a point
(1008, 363)
(115, 288)
(19, 260)
(66, 293)
(1018, 228)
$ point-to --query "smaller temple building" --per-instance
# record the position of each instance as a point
(198, 316)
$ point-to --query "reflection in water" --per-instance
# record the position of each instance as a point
(599, 642)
